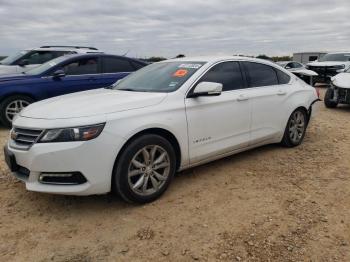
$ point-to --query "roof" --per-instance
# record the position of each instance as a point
(216, 59)
(69, 56)
(314, 52)
(66, 48)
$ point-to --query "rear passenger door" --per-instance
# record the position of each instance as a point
(115, 68)
(268, 90)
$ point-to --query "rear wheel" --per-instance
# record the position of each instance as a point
(11, 106)
(144, 169)
(295, 129)
(328, 99)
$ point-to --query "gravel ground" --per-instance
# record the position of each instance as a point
(268, 204)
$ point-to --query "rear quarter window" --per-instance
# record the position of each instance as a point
(115, 65)
(283, 78)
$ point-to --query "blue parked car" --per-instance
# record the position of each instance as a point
(63, 75)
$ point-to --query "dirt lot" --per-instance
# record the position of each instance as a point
(268, 204)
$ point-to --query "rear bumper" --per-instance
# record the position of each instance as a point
(313, 109)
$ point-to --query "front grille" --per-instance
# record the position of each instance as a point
(324, 71)
(23, 139)
(317, 69)
(343, 95)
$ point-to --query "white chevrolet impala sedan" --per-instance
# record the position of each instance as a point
(131, 138)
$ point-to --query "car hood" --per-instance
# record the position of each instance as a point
(328, 63)
(341, 80)
(13, 77)
(7, 69)
(91, 103)
(304, 72)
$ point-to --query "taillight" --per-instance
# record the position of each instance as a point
(317, 92)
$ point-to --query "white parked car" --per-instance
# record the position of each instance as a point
(339, 90)
(132, 137)
(299, 70)
(330, 65)
(30, 58)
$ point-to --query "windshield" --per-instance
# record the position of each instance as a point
(344, 57)
(12, 58)
(159, 77)
(46, 66)
(283, 64)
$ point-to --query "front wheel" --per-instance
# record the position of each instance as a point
(11, 106)
(144, 169)
(329, 99)
(295, 129)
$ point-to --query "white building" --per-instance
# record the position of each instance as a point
(306, 57)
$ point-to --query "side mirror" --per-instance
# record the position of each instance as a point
(23, 62)
(288, 67)
(59, 74)
(207, 89)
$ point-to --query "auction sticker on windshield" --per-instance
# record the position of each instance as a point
(192, 66)
(180, 73)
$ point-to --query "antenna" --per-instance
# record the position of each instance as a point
(126, 52)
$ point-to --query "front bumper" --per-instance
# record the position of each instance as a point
(324, 73)
(342, 95)
(94, 159)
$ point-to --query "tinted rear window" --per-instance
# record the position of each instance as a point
(260, 74)
(115, 65)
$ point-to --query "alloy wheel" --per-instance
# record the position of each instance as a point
(297, 127)
(149, 170)
(14, 107)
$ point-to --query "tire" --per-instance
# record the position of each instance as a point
(135, 180)
(296, 128)
(11, 106)
(328, 99)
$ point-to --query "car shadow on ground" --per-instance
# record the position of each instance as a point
(111, 201)
(344, 108)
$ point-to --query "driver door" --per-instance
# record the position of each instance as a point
(81, 74)
(219, 124)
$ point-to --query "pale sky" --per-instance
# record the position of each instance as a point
(167, 28)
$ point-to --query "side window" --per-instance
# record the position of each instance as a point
(289, 65)
(297, 65)
(313, 58)
(227, 73)
(260, 74)
(115, 65)
(283, 78)
(82, 67)
(137, 65)
(38, 57)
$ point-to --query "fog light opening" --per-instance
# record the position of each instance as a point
(72, 178)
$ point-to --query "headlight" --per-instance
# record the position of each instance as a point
(71, 134)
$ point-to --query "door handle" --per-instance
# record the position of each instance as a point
(281, 92)
(242, 98)
(92, 78)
